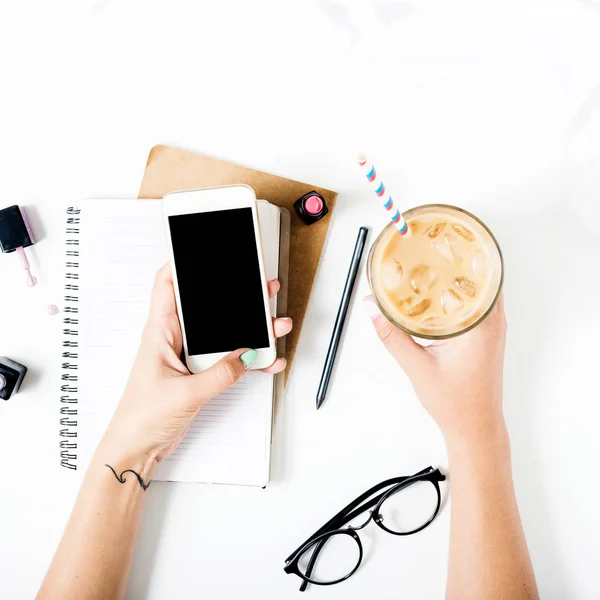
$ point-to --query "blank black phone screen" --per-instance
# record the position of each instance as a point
(218, 276)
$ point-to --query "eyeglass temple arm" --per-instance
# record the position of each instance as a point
(346, 515)
(311, 563)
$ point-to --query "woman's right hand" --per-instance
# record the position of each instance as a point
(459, 380)
(162, 397)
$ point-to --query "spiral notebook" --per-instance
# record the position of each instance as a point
(113, 250)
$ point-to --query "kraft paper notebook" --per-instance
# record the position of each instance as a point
(113, 250)
(172, 169)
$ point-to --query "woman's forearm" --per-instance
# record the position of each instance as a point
(488, 552)
(95, 554)
(160, 402)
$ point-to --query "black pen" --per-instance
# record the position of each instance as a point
(341, 316)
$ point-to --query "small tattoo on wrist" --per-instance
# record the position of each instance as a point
(122, 479)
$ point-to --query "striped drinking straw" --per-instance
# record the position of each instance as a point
(381, 192)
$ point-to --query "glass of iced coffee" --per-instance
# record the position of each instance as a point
(440, 280)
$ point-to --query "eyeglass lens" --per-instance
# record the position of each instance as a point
(410, 508)
(339, 555)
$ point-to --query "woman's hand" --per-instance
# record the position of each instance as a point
(162, 398)
(459, 380)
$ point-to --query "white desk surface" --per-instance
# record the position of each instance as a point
(492, 107)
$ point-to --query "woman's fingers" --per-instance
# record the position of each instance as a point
(203, 386)
(273, 286)
(282, 326)
(401, 346)
(163, 296)
(277, 367)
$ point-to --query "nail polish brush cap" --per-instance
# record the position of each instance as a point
(15, 231)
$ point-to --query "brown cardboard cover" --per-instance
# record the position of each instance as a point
(171, 169)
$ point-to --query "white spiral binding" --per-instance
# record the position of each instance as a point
(70, 345)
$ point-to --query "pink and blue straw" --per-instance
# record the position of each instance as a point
(381, 192)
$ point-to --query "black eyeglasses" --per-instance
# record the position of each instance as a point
(339, 548)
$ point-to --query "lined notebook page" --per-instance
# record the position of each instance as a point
(122, 247)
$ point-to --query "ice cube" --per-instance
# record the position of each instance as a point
(445, 251)
(435, 230)
(454, 245)
(435, 322)
(391, 274)
(465, 285)
(479, 264)
(422, 278)
(451, 302)
(404, 303)
(464, 232)
(420, 308)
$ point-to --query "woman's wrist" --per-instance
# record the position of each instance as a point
(486, 436)
(120, 454)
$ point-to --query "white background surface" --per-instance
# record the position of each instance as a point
(491, 106)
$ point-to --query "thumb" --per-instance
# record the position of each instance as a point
(399, 344)
(221, 376)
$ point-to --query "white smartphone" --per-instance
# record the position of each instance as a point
(218, 274)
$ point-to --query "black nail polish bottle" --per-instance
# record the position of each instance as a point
(11, 376)
(311, 207)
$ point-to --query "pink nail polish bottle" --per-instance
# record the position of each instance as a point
(16, 235)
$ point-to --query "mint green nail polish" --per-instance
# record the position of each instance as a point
(249, 358)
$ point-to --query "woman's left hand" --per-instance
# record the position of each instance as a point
(162, 397)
